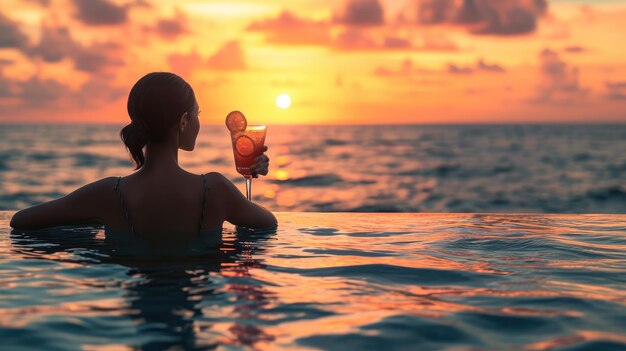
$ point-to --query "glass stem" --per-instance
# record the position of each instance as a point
(249, 189)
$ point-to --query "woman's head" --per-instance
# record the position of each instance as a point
(161, 105)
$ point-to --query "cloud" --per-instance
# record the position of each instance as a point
(392, 42)
(33, 92)
(455, 69)
(560, 83)
(43, 3)
(10, 34)
(354, 39)
(487, 67)
(100, 12)
(289, 29)
(172, 28)
(481, 66)
(494, 17)
(616, 90)
(39, 93)
(97, 56)
(57, 44)
(362, 13)
(575, 49)
(98, 88)
(228, 57)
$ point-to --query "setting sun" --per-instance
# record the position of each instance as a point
(283, 101)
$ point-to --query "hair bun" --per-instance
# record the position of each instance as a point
(135, 138)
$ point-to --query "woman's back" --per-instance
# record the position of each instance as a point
(184, 203)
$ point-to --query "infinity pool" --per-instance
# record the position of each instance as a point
(330, 281)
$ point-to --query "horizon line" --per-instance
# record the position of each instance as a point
(476, 123)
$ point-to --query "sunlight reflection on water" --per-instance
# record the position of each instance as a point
(332, 281)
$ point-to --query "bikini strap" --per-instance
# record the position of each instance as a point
(203, 202)
(123, 206)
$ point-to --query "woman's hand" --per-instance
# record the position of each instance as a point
(262, 164)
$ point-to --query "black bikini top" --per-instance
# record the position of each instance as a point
(125, 209)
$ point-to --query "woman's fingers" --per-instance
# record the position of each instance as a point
(262, 158)
(261, 166)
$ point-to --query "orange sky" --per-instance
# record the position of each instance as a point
(356, 61)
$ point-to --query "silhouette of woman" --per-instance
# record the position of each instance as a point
(160, 198)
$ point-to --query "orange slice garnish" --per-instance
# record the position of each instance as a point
(236, 122)
(244, 146)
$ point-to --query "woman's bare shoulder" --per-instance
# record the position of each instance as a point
(102, 185)
(223, 186)
(217, 180)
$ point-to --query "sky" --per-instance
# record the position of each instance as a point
(341, 62)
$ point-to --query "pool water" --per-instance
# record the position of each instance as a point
(330, 281)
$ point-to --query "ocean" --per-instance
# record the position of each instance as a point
(388, 168)
(325, 281)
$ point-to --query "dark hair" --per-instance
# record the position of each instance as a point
(155, 104)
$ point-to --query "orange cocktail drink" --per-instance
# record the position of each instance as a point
(247, 145)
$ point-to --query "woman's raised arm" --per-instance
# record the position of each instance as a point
(239, 211)
(81, 206)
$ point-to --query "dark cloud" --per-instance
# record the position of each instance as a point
(229, 57)
(5, 83)
(97, 57)
(487, 67)
(495, 17)
(98, 88)
(481, 66)
(396, 43)
(10, 34)
(455, 69)
(57, 44)
(362, 13)
(616, 90)
(100, 12)
(354, 39)
(33, 92)
(38, 91)
(171, 28)
(560, 83)
(435, 11)
(289, 29)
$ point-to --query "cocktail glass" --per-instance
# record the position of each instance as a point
(248, 145)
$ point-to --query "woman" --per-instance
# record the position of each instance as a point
(160, 198)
